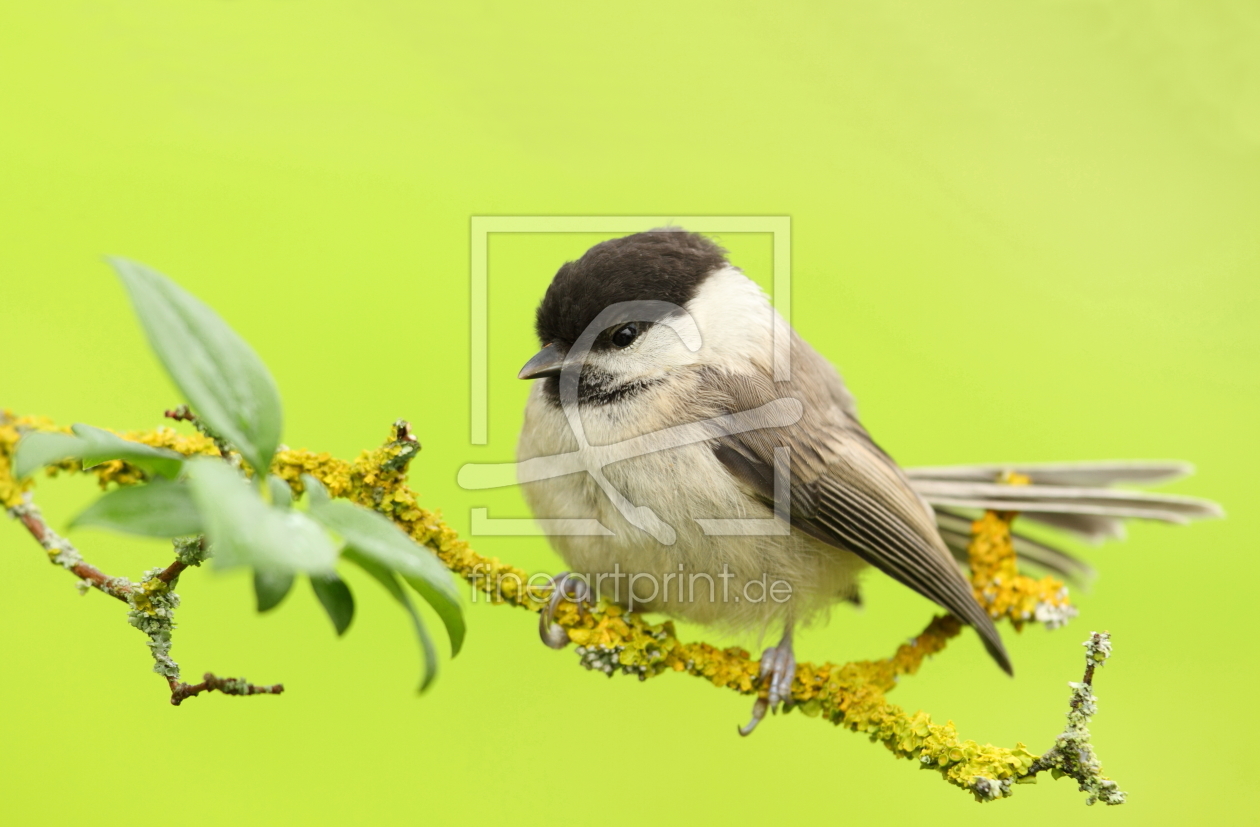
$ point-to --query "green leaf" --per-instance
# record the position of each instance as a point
(445, 602)
(316, 493)
(92, 446)
(281, 494)
(270, 587)
(221, 377)
(390, 581)
(159, 509)
(335, 596)
(245, 531)
(375, 536)
(102, 446)
(39, 448)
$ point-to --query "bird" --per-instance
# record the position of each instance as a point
(688, 453)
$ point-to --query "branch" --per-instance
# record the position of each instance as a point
(62, 553)
(228, 686)
(611, 640)
(151, 603)
(181, 413)
(1073, 755)
(997, 583)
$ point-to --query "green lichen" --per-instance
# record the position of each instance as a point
(191, 551)
(234, 686)
(152, 611)
(1073, 755)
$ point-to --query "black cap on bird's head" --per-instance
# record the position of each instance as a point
(665, 265)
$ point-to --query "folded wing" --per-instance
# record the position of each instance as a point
(848, 493)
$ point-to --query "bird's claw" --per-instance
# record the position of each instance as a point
(565, 586)
(778, 669)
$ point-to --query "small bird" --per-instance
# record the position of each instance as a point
(723, 475)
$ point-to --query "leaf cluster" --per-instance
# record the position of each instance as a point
(246, 514)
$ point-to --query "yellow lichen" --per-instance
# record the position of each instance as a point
(11, 430)
(117, 472)
(142, 595)
(851, 695)
(996, 580)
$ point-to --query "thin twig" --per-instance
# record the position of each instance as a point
(150, 607)
(228, 686)
(180, 413)
(172, 571)
(1073, 755)
(62, 553)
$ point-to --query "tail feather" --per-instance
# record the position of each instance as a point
(1105, 502)
(956, 532)
(1070, 497)
(1089, 527)
(1107, 472)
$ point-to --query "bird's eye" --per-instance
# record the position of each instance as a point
(624, 335)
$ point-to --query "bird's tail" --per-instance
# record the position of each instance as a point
(1076, 498)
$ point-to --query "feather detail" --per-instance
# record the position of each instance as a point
(1060, 497)
(955, 530)
(1070, 497)
(844, 490)
(1095, 473)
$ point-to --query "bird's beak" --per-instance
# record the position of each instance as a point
(546, 362)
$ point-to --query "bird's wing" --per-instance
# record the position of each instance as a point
(845, 491)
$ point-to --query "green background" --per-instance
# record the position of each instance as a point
(1024, 231)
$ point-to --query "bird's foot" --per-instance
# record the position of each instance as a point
(565, 586)
(778, 669)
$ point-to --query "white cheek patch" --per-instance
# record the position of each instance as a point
(667, 346)
(736, 321)
(609, 362)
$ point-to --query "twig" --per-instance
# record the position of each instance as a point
(1073, 755)
(189, 551)
(228, 686)
(180, 413)
(62, 553)
(150, 601)
(172, 571)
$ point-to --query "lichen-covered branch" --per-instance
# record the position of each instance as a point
(611, 640)
(181, 413)
(228, 686)
(62, 553)
(1073, 755)
(999, 586)
(151, 602)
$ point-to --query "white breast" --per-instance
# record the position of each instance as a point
(681, 485)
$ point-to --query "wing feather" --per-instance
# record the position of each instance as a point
(845, 491)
